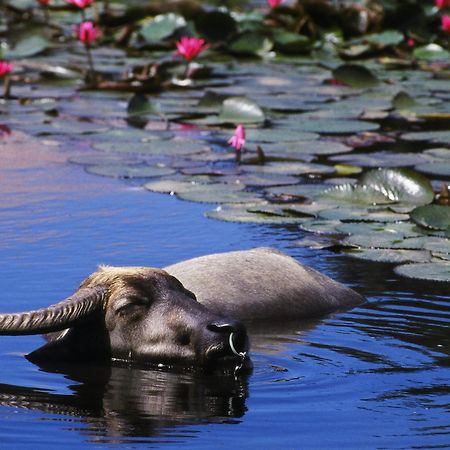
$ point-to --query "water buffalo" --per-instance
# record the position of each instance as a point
(189, 313)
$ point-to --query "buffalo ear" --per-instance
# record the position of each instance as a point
(190, 294)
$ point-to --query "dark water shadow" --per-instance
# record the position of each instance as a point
(122, 401)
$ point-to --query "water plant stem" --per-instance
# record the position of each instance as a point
(7, 87)
(91, 78)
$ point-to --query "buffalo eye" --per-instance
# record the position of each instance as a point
(131, 307)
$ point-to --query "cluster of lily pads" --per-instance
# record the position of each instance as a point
(357, 153)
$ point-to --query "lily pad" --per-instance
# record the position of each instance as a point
(259, 135)
(161, 27)
(251, 43)
(289, 168)
(170, 186)
(154, 148)
(390, 256)
(381, 159)
(431, 52)
(361, 215)
(129, 171)
(436, 271)
(292, 43)
(320, 226)
(307, 147)
(327, 126)
(29, 45)
(400, 185)
(440, 168)
(436, 217)
(241, 110)
(354, 194)
(355, 75)
(438, 137)
(218, 193)
(399, 229)
(388, 37)
(238, 213)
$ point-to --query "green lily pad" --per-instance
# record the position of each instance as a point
(170, 186)
(354, 194)
(129, 171)
(241, 110)
(390, 256)
(320, 226)
(269, 135)
(438, 137)
(167, 147)
(436, 271)
(161, 27)
(297, 190)
(398, 229)
(439, 168)
(402, 100)
(441, 153)
(400, 185)
(139, 105)
(431, 52)
(355, 75)
(30, 44)
(94, 159)
(388, 37)
(218, 193)
(289, 168)
(327, 126)
(251, 43)
(383, 239)
(306, 147)
(259, 180)
(292, 43)
(241, 213)
(436, 217)
(361, 215)
(381, 159)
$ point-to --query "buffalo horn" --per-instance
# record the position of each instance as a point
(56, 317)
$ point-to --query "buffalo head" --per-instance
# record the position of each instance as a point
(134, 313)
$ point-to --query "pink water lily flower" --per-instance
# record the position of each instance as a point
(274, 3)
(238, 139)
(5, 68)
(442, 3)
(445, 20)
(80, 3)
(88, 32)
(43, 2)
(190, 47)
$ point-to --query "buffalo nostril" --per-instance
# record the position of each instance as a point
(237, 335)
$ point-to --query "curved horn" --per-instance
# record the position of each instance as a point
(56, 317)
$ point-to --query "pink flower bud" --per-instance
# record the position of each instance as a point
(445, 20)
(5, 68)
(88, 32)
(80, 3)
(190, 47)
(274, 3)
(411, 42)
(43, 2)
(238, 139)
(442, 3)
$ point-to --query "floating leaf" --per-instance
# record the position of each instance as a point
(402, 100)
(432, 271)
(251, 43)
(259, 135)
(390, 256)
(238, 213)
(400, 185)
(161, 27)
(399, 229)
(241, 110)
(440, 168)
(361, 215)
(288, 42)
(431, 52)
(355, 76)
(218, 193)
(438, 137)
(436, 217)
(381, 159)
(29, 45)
(289, 168)
(129, 171)
(327, 126)
(388, 37)
(355, 194)
(309, 148)
(215, 25)
(319, 226)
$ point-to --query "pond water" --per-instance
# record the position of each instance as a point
(373, 377)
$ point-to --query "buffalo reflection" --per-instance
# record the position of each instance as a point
(127, 401)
